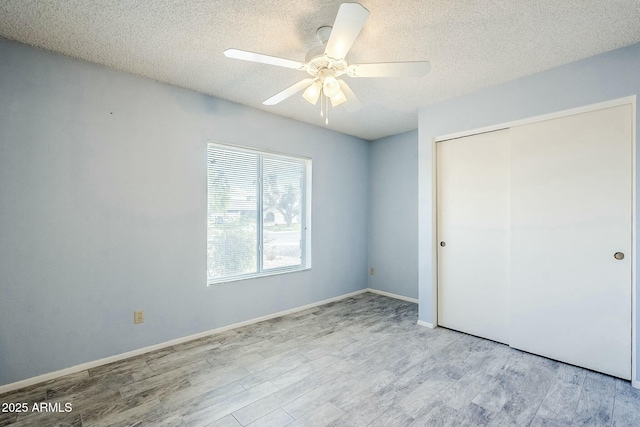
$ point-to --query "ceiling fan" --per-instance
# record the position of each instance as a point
(327, 62)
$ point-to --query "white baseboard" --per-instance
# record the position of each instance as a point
(425, 324)
(95, 363)
(390, 295)
(635, 383)
(89, 365)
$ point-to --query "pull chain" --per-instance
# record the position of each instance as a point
(326, 106)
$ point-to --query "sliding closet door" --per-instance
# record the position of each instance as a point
(570, 202)
(473, 224)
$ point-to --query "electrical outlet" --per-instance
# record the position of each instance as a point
(138, 317)
(372, 271)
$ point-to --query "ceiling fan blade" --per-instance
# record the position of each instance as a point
(389, 69)
(348, 24)
(291, 90)
(353, 103)
(263, 59)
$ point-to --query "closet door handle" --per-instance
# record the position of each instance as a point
(618, 256)
(443, 244)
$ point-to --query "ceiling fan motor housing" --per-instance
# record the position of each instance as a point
(320, 63)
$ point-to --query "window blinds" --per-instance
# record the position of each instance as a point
(256, 213)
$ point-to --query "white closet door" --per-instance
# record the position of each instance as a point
(570, 213)
(473, 222)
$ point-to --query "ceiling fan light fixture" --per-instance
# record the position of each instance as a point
(325, 63)
(338, 99)
(330, 86)
(313, 93)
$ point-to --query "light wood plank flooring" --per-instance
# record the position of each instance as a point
(361, 361)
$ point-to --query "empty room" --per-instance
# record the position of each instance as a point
(295, 213)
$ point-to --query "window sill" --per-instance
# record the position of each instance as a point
(269, 273)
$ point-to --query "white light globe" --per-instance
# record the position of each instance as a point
(330, 86)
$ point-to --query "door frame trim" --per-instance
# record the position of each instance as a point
(635, 382)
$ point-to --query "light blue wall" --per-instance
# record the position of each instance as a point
(393, 191)
(102, 212)
(600, 78)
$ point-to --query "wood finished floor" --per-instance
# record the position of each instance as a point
(361, 361)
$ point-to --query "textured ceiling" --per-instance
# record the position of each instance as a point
(471, 44)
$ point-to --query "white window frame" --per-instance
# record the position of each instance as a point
(305, 214)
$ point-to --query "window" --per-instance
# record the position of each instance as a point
(258, 213)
